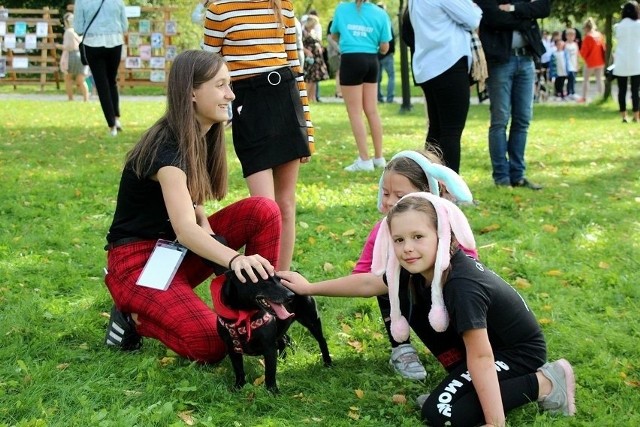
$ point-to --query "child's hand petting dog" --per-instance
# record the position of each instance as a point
(295, 281)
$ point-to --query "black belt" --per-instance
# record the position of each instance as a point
(271, 78)
(520, 51)
(123, 241)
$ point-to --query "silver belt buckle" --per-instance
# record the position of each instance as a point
(269, 78)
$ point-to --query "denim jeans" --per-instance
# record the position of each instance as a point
(386, 65)
(510, 86)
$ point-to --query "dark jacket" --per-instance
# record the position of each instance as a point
(497, 26)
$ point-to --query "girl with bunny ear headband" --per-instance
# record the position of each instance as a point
(504, 348)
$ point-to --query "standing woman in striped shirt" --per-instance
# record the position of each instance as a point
(272, 130)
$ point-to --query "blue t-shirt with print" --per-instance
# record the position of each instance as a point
(361, 29)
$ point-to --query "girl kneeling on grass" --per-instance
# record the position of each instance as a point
(504, 348)
(178, 165)
(407, 172)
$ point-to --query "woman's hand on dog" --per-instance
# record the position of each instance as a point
(294, 281)
(250, 264)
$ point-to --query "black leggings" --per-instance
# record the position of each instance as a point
(104, 63)
(447, 98)
(622, 93)
(455, 401)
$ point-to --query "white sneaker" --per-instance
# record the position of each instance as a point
(360, 165)
(405, 360)
(379, 162)
(118, 125)
(113, 131)
(421, 399)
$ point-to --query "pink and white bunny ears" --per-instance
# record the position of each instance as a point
(435, 173)
(450, 219)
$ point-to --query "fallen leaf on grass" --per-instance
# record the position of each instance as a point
(603, 265)
(554, 273)
(303, 224)
(359, 393)
(345, 328)
(400, 399)
(186, 417)
(62, 366)
(353, 415)
(489, 228)
(349, 232)
(522, 283)
(550, 228)
(259, 381)
(356, 345)
(545, 321)
(311, 240)
(166, 361)
(327, 267)
(634, 383)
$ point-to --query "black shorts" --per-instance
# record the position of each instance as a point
(268, 126)
(358, 68)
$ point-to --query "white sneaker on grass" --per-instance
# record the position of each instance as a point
(360, 165)
(421, 399)
(379, 162)
(406, 362)
(561, 400)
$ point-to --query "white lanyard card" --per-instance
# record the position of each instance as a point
(162, 265)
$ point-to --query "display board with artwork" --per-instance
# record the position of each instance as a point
(149, 47)
(27, 46)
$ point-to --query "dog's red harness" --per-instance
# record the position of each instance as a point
(239, 323)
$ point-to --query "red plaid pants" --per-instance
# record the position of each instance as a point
(178, 317)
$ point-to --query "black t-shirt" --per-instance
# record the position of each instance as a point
(140, 209)
(477, 298)
(446, 346)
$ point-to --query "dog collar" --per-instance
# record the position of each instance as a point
(240, 330)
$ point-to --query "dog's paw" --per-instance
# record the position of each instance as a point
(273, 389)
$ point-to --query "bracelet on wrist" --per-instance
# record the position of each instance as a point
(233, 259)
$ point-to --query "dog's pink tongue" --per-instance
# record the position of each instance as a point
(280, 310)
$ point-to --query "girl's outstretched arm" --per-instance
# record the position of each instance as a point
(482, 369)
(353, 285)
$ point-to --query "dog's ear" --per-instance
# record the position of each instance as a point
(228, 289)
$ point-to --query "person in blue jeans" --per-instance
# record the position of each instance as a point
(386, 62)
(511, 39)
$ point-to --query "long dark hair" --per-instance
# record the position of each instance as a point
(204, 159)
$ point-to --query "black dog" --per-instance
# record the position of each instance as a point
(253, 319)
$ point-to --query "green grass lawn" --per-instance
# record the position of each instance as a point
(572, 250)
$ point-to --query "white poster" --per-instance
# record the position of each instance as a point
(10, 41)
(157, 62)
(132, 11)
(42, 29)
(3, 28)
(20, 62)
(157, 76)
(30, 42)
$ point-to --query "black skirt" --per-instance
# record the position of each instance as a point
(268, 126)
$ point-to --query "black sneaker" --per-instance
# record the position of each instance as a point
(525, 183)
(121, 331)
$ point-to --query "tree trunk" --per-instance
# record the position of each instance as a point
(608, 34)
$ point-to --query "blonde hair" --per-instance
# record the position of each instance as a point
(590, 24)
(276, 5)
